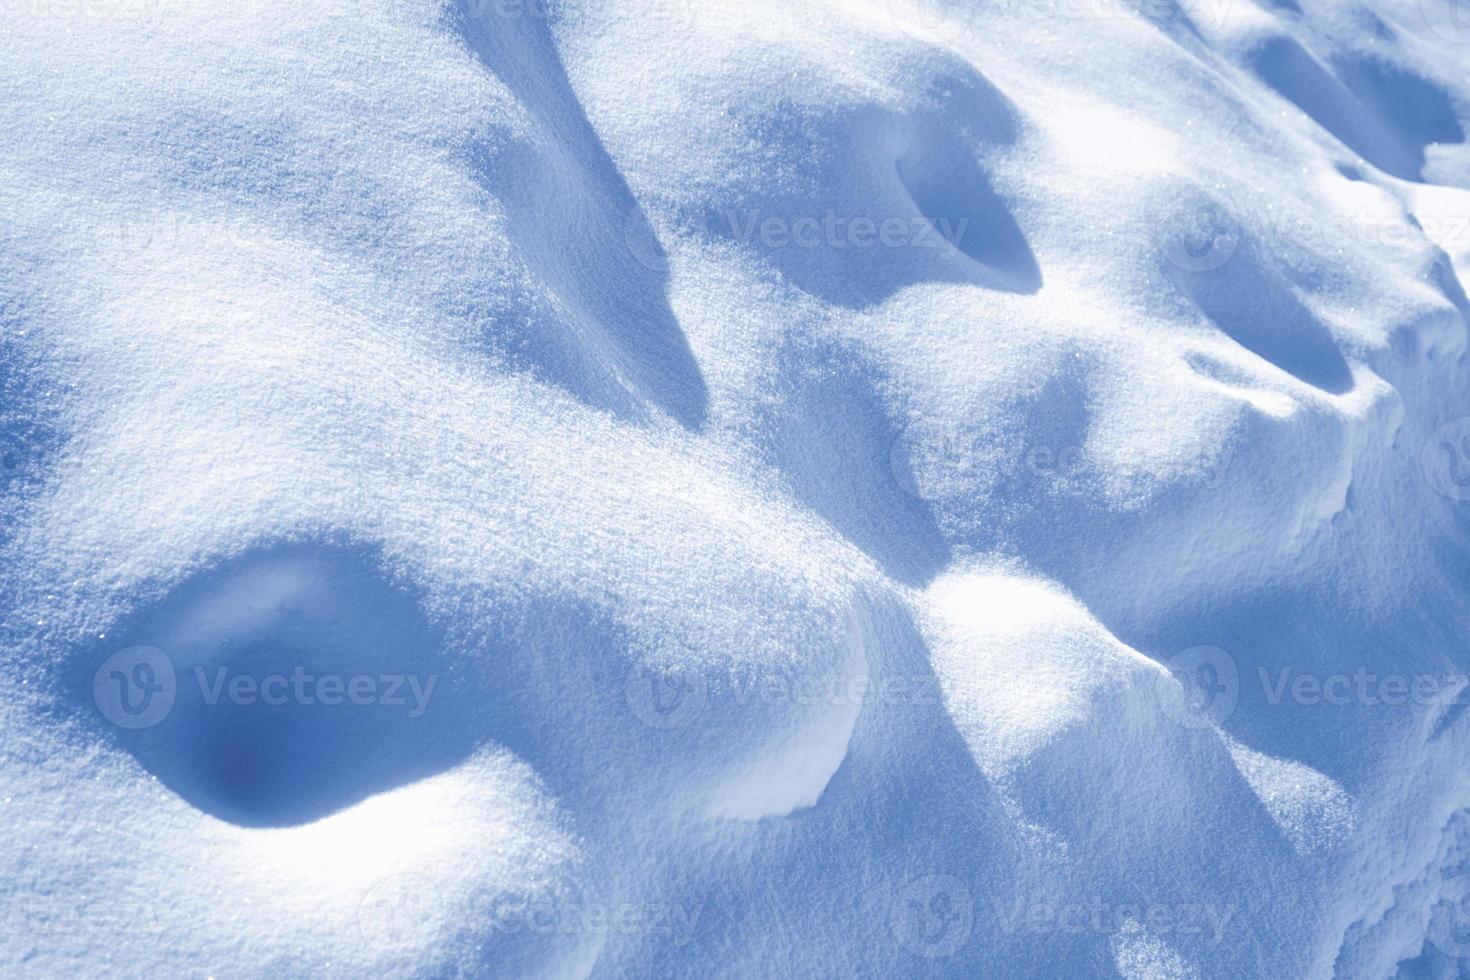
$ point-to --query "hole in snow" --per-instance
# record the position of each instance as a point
(282, 686)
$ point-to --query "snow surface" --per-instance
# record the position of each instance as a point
(839, 488)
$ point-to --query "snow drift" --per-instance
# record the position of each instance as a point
(845, 488)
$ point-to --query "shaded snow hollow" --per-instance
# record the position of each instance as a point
(841, 488)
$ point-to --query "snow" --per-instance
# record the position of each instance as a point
(839, 488)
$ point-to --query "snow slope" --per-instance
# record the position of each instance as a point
(840, 488)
